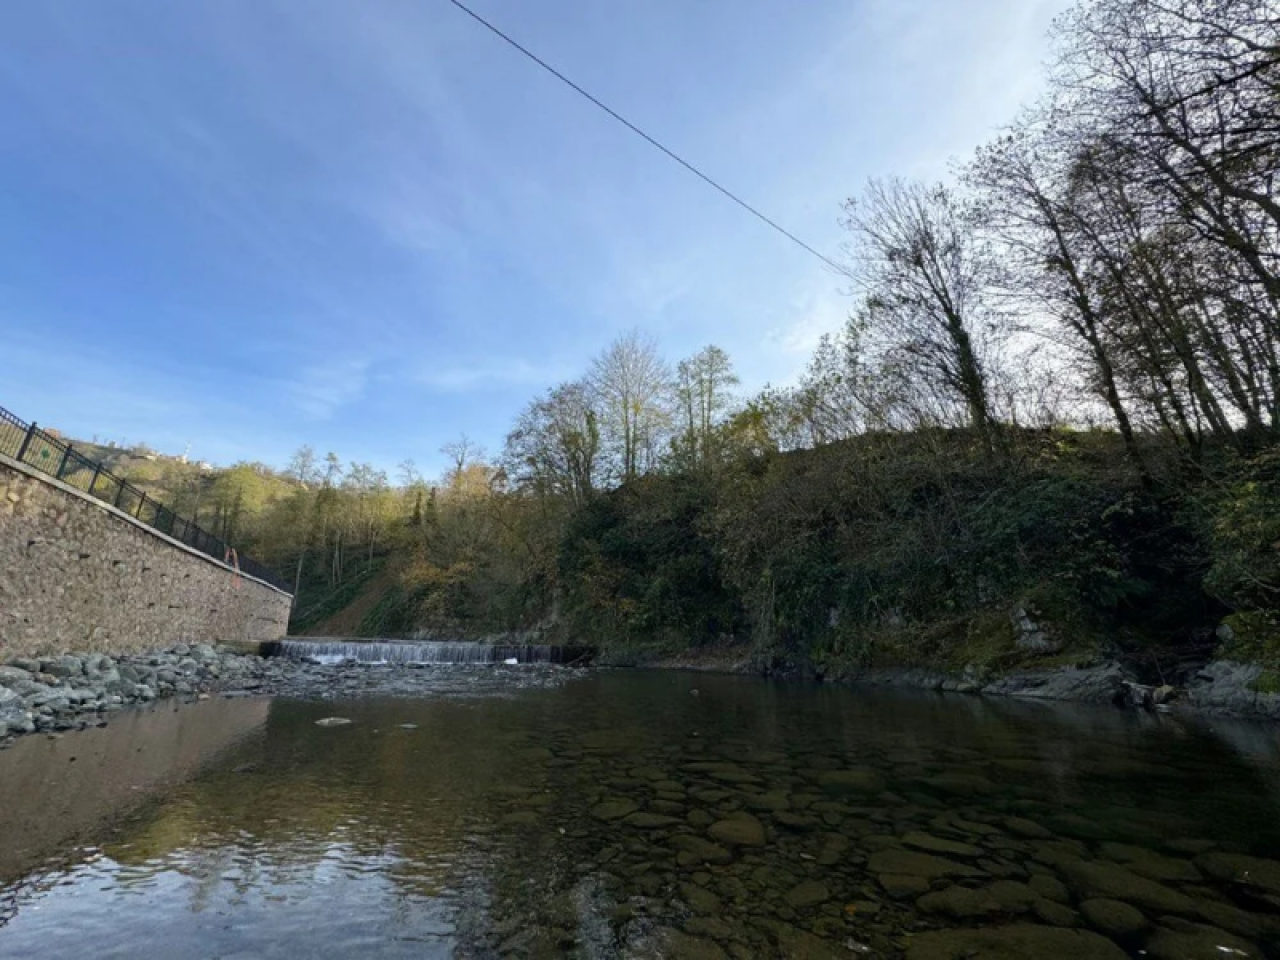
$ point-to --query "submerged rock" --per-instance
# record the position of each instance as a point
(1112, 917)
(1193, 941)
(910, 863)
(810, 893)
(1019, 942)
(614, 809)
(932, 844)
(1098, 880)
(1246, 871)
(862, 780)
(962, 903)
(743, 831)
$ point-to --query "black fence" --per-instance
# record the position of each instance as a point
(27, 443)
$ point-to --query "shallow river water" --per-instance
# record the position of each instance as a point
(624, 814)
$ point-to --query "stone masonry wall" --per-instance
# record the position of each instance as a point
(78, 575)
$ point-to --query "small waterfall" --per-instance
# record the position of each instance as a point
(441, 652)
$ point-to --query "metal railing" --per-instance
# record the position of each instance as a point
(28, 444)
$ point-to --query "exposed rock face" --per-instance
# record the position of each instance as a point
(1226, 686)
(1031, 636)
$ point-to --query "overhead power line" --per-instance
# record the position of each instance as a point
(636, 130)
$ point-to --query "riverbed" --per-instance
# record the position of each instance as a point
(641, 814)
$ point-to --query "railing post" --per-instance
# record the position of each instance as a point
(26, 441)
(137, 514)
(119, 493)
(62, 464)
(97, 469)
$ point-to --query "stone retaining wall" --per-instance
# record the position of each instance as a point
(78, 574)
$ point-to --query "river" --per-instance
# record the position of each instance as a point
(642, 814)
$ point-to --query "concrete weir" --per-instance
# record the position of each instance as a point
(332, 650)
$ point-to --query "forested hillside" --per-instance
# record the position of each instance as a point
(1049, 426)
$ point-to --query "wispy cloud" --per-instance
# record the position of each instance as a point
(463, 377)
(320, 390)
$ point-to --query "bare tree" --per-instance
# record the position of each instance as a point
(631, 387)
(923, 275)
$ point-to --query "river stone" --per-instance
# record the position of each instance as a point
(650, 821)
(695, 851)
(67, 666)
(743, 831)
(932, 844)
(918, 865)
(700, 819)
(903, 886)
(1095, 879)
(795, 821)
(1189, 846)
(1235, 920)
(1112, 917)
(809, 893)
(962, 903)
(614, 809)
(1055, 914)
(1194, 941)
(13, 709)
(1149, 864)
(1019, 942)
(860, 780)
(1051, 888)
(674, 945)
(700, 899)
(796, 944)
(960, 784)
(10, 675)
(1013, 896)
(773, 801)
(1246, 871)
(1023, 827)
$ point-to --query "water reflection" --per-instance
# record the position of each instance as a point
(625, 815)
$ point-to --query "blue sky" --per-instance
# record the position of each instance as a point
(368, 225)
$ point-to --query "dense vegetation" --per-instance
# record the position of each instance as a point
(1054, 411)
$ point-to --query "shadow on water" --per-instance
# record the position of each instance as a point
(643, 814)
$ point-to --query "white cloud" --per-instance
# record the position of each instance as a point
(462, 377)
(320, 390)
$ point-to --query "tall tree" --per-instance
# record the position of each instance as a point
(923, 274)
(704, 394)
(631, 387)
(554, 448)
